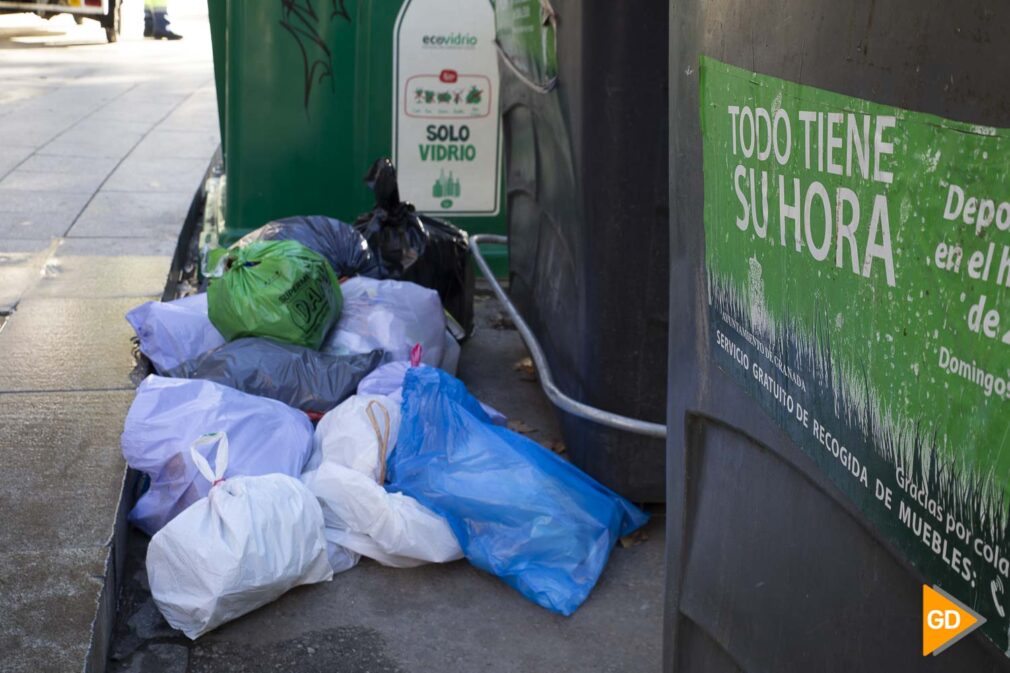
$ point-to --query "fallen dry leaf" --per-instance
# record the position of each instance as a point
(638, 537)
(527, 372)
(558, 447)
(502, 321)
(515, 425)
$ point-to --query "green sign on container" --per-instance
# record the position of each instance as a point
(858, 260)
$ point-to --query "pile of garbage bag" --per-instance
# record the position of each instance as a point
(304, 414)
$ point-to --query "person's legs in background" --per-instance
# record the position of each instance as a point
(156, 20)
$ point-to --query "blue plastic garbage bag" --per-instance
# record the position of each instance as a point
(387, 380)
(519, 511)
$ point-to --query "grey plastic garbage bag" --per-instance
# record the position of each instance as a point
(168, 415)
(297, 376)
(343, 247)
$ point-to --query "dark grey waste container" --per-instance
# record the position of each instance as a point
(585, 155)
(818, 443)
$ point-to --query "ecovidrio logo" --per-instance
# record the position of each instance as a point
(945, 620)
(450, 41)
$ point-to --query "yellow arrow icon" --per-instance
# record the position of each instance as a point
(945, 620)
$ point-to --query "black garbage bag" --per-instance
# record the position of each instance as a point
(298, 376)
(344, 248)
(417, 248)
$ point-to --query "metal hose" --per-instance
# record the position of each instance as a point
(554, 394)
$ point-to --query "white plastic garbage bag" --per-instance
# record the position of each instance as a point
(249, 541)
(390, 315)
(173, 332)
(357, 434)
(168, 415)
(351, 444)
(387, 380)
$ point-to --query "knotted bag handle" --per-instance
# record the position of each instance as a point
(215, 476)
(382, 438)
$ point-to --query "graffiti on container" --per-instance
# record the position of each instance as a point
(307, 21)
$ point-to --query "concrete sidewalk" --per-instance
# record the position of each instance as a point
(101, 150)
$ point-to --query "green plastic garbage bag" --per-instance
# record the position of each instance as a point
(276, 289)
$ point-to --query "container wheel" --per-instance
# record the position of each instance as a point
(113, 21)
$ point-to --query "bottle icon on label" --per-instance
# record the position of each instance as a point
(447, 188)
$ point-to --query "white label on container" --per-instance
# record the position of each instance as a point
(446, 126)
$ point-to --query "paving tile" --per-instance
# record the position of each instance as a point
(67, 344)
(107, 142)
(48, 600)
(12, 155)
(73, 100)
(24, 245)
(67, 174)
(137, 174)
(68, 183)
(30, 224)
(154, 95)
(12, 201)
(94, 125)
(134, 214)
(15, 91)
(119, 247)
(102, 276)
(41, 163)
(178, 144)
(38, 214)
(20, 267)
(178, 87)
(69, 439)
(199, 112)
(149, 111)
(25, 130)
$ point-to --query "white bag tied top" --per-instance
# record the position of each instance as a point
(382, 437)
(216, 476)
